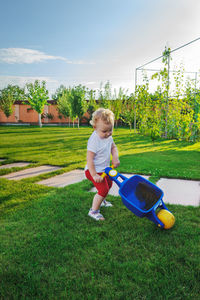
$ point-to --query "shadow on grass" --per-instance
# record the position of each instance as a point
(14, 194)
(146, 142)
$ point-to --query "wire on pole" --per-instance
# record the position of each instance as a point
(170, 52)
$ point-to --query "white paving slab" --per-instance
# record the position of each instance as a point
(17, 164)
(114, 191)
(64, 179)
(2, 159)
(31, 172)
(178, 191)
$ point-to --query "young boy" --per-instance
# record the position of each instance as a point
(99, 148)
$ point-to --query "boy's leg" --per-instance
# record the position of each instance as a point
(102, 188)
(106, 203)
(97, 200)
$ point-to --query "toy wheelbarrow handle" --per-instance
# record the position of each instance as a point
(113, 175)
(103, 175)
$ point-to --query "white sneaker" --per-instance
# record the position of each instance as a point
(106, 204)
(95, 214)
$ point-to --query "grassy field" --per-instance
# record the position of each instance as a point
(50, 249)
(67, 148)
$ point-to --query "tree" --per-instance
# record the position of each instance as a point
(92, 103)
(6, 103)
(64, 104)
(37, 97)
(116, 104)
(163, 75)
(78, 102)
(128, 111)
(105, 95)
(192, 98)
(59, 92)
(8, 96)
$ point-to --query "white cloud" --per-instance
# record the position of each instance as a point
(29, 56)
(51, 83)
(21, 80)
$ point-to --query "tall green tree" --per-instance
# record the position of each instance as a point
(116, 105)
(64, 104)
(8, 96)
(105, 95)
(92, 102)
(163, 76)
(59, 92)
(37, 97)
(127, 114)
(78, 102)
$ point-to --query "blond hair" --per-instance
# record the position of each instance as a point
(104, 114)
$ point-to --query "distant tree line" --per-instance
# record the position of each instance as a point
(154, 114)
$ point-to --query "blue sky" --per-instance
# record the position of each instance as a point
(90, 41)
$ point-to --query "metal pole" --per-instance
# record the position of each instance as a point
(195, 99)
(168, 71)
(135, 107)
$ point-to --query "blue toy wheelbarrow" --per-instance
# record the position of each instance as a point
(139, 195)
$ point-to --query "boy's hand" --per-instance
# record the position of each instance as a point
(97, 178)
(115, 162)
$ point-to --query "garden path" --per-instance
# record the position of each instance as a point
(176, 191)
(31, 172)
(17, 164)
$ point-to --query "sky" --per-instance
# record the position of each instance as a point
(90, 42)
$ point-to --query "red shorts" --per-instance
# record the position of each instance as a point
(102, 187)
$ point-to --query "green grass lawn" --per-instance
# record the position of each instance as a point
(67, 148)
(50, 249)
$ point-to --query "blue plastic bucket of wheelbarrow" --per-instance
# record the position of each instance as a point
(140, 196)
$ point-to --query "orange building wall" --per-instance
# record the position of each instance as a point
(23, 116)
(4, 119)
(23, 113)
(27, 115)
(52, 109)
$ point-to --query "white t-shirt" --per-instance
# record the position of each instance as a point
(102, 150)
